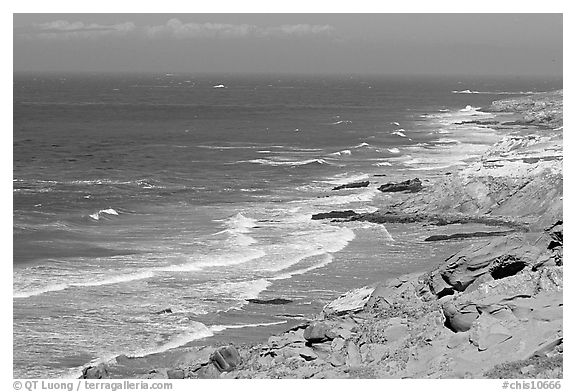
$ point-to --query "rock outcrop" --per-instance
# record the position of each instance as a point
(352, 185)
(413, 185)
(492, 309)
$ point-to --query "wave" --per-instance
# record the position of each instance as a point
(106, 281)
(335, 200)
(399, 132)
(108, 211)
(196, 332)
(242, 290)
(215, 261)
(375, 227)
(341, 122)
(469, 108)
(447, 141)
(269, 162)
(327, 259)
(230, 147)
(238, 228)
(382, 164)
(343, 152)
(220, 328)
(211, 261)
(465, 92)
(364, 144)
(493, 92)
(346, 179)
(394, 150)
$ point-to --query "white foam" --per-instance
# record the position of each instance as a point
(327, 259)
(91, 283)
(493, 92)
(365, 196)
(270, 162)
(219, 86)
(346, 179)
(108, 211)
(220, 328)
(215, 261)
(198, 331)
(399, 132)
(242, 290)
(342, 122)
(343, 152)
(382, 164)
(394, 150)
(465, 92)
(469, 108)
(364, 144)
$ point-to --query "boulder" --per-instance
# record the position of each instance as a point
(208, 371)
(487, 332)
(360, 184)
(319, 332)
(414, 185)
(353, 358)
(226, 358)
(459, 319)
(352, 301)
(96, 372)
(175, 373)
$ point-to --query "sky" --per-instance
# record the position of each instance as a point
(463, 44)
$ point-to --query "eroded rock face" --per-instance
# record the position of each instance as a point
(494, 259)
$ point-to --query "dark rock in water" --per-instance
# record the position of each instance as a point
(414, 185)
(164, 311)
(95, 372)
(477, 234)
(275, 301)
(226, 358)
(360, 184)
(334, 215)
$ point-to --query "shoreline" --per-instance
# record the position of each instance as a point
(376, 337)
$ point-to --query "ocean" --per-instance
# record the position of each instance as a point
(148, 208)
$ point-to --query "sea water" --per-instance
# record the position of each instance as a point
(135, 194)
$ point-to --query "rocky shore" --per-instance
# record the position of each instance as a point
(492, 310)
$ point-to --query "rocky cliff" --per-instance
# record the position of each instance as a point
(493, 309)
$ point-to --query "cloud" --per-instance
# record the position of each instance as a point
(62, 29)
(172, 29)
(304, 29)
(176, 29)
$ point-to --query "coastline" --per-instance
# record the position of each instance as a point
(444, 322)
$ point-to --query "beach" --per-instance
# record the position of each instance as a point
(476, 236)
